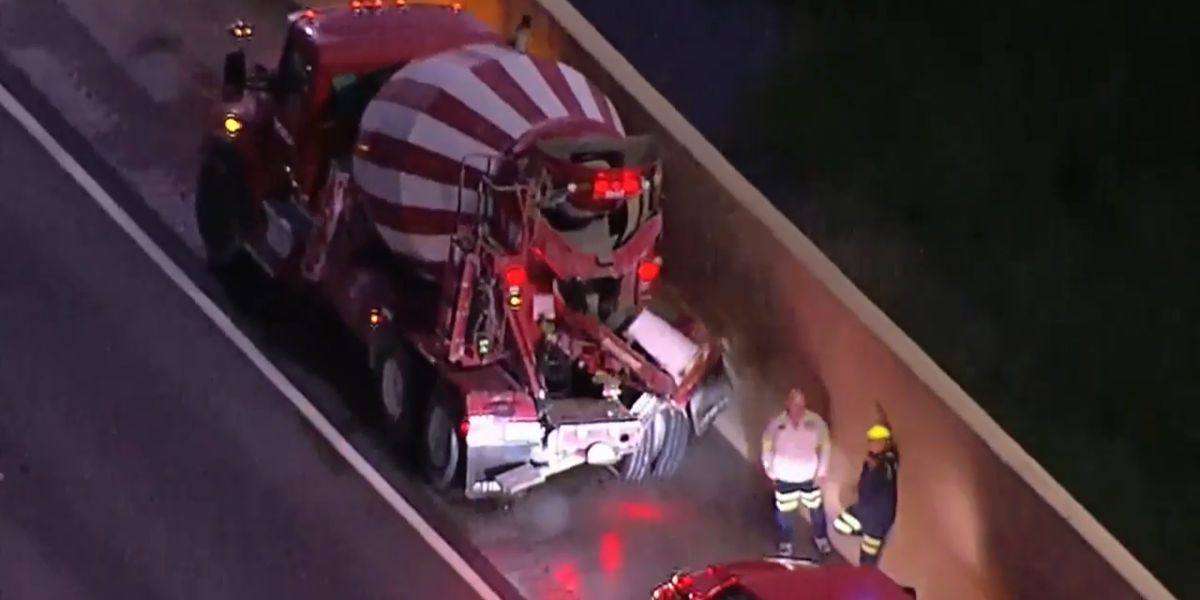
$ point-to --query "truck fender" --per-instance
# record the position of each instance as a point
(216, 145)
(223, 202)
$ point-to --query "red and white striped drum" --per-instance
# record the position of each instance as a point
(456, 106)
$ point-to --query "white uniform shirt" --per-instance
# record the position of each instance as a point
(796, 454)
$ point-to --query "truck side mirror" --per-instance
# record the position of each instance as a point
(234, 74)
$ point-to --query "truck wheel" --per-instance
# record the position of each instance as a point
(636, 466)
(675, 435)
(221, 198)
(709, 400)
(399, 394)
(443, 444)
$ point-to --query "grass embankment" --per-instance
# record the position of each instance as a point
(1018, 186)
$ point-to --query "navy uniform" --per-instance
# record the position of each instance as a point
(874, 513)
(795, 457)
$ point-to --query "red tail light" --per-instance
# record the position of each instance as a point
(648, 271)
(356, 4)
(683, 583)
(464, 427)
(515, 276)
(665, 591)
(616, 183)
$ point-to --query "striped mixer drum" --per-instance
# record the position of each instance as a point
(451, 108)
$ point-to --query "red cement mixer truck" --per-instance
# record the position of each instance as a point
(480, 220)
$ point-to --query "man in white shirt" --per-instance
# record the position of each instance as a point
(795, 455)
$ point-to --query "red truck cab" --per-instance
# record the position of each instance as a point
(782, 579)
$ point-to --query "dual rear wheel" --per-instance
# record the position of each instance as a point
(419, 417)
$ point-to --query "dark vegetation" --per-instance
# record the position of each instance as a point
(1018, 186)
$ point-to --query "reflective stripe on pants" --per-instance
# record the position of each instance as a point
(789, 497)
(854, 521)
(869, 550)
(811, 499)
(847, 523)
(788, 501)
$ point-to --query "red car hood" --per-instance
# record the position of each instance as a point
(832, 582)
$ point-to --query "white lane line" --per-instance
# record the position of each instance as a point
(243, 343)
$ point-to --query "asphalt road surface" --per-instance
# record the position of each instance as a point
(142, 455)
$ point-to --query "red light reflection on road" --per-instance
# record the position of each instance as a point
(566, 577)
(642, 512)
(611, 552)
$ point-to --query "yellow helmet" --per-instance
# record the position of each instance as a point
(879, 433)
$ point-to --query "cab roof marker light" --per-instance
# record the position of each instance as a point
(241, 30)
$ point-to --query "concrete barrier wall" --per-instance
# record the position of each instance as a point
(978, 517)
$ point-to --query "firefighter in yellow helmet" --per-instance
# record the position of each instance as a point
(872, 515)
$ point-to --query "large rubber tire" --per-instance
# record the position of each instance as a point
(403, 397)
(442, 453)
(222, 201)
(636, 466)
(639, 465)
(713, 389)
(676, 434)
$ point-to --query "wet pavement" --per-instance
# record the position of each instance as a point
(589, 536)
(130, 83)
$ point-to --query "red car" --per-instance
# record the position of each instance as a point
(782, 579)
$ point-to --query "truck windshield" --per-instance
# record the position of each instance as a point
(352, 92)
(349, 96)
